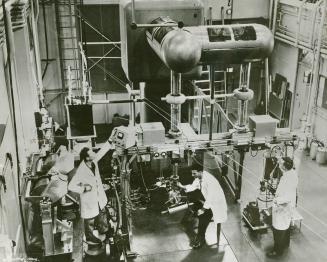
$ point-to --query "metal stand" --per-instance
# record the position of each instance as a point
(212, 97)
(244, 87)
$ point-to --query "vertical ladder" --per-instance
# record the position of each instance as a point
(202, 109)
(68, 42)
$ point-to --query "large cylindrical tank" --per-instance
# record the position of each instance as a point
(234, 44)
(176, 47)
(139, 62)
(184, 49)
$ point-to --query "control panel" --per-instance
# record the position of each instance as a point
(123, 136)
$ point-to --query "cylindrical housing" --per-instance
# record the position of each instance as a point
(313, 150)
(321, 156)
(233, 44)
(242, 112)
(175, 108)
(176, 47)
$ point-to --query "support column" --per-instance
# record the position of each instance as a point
(243, 103)
(212, 97)
(267, 82)
(142, 106)
(175, 109)
(240, 174)
(125, 196)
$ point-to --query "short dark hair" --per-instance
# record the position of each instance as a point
(197, 165)
(288, 162)
(84, 153)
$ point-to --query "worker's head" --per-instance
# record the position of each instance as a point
(287, 163)
(197, 170)
(86, 155)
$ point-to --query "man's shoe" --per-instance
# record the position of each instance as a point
(198, 244)
(273, 254)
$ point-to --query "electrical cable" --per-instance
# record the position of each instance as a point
(119, 211)
(220, 109)
(245, 179)
(154, 109)
(162, 110)
(96, 30)
(141, 173)
(249, 171)
(309, 212)
(158, 108)
(101, 25)
(89, 69)
(119, 81)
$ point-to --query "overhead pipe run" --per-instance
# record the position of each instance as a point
(181, 99)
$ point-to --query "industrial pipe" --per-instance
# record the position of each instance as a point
(142, 107)
(201, 97)
(244, 94)
(92, 102)
(175, 209)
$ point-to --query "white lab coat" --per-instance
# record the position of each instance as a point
(213, 194)
(284, 200)
(95, 199)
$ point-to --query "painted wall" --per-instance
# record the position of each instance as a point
(320, 114)
(284, 61)
(12, 223)
(250, 8)
(19, 81)
(25, 92)
(301, 94)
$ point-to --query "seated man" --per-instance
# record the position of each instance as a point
(87, 182)
(214, 205)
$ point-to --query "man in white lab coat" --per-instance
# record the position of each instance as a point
(87, 183)
(283, 204)
(214, 205)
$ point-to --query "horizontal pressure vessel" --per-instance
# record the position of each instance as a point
(177, 48)
(183, 49)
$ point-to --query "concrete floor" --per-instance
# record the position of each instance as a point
(162, 238)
